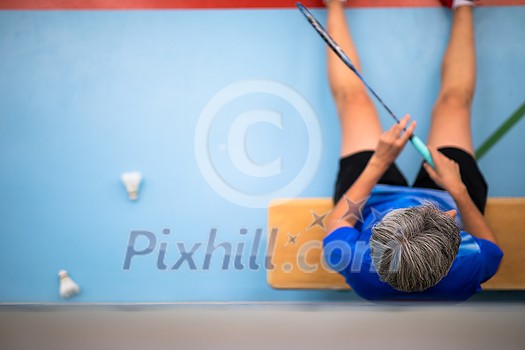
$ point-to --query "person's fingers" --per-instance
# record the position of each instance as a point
(435, 152)
(395, 131)
(410, 130)
(398, 127)
(392, 132)
(431, 172)
(402, 125)
(437, 156)
(456, 167)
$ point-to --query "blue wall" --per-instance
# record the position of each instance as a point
(87, 95)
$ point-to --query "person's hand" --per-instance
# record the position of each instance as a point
(391, 143)
(447, 174)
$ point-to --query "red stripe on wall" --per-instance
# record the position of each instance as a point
(216, 4)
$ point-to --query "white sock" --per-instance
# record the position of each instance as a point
(459, 3)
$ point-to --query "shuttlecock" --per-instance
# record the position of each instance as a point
(68, 288)
(132, 182)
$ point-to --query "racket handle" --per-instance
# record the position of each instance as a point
(422, 149)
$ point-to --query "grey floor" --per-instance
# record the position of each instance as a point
(264, 326)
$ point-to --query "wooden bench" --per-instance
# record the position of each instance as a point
(295, 236)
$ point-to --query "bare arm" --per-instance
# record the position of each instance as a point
(346, 211)
(447, 176)
(391, 143)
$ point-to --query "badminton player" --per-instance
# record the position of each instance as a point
(392, 241)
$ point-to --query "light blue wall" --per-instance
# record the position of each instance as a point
(87, 95)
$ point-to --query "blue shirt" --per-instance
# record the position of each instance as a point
(347, 250)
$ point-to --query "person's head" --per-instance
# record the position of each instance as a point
(412, 249)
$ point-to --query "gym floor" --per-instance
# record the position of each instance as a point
(266, 326)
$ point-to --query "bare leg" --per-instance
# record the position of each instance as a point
(360, 124)
(450, 124)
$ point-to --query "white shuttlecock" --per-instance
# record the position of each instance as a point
(68, 288)
(132, 182)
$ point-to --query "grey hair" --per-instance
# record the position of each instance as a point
(412, 249)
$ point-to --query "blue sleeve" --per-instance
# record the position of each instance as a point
(338, 247)
(490, 256)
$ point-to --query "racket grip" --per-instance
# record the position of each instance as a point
(423, 150)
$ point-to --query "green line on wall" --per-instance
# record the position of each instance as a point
(501, 131)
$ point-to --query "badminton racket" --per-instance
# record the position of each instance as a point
(416, 141)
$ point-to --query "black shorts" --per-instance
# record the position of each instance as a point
(351, 167)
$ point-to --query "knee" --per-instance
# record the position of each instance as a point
(354, 98)
(456, 99)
